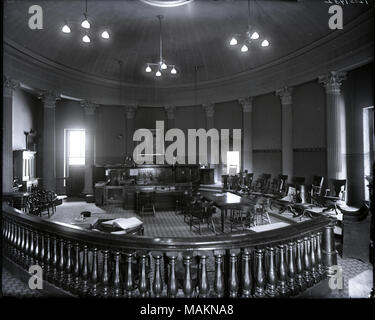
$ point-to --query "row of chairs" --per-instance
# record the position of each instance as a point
(41, 201)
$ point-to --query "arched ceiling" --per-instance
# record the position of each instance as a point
(195, 34)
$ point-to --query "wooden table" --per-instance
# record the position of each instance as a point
(225, 201)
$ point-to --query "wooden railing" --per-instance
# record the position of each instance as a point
(281, 262)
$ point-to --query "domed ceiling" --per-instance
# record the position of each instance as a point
(195, 34)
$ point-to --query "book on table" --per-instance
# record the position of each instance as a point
(124, 223)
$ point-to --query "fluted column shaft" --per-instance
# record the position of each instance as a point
(209, 110)
(334, 124)
(8, 87)
(89, 110)
(247, 140)
(286, 130)
(49, 99)
(130, 112)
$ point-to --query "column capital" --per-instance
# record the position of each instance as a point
(209, 109)
(285, 95)
(170, 110)
(49, 98)
(130, 111)
(246, 103)
(332, 81)
(9, 85)
(89, 107)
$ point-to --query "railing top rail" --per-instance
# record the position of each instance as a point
(131, 242)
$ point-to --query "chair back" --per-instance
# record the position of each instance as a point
(339, 188)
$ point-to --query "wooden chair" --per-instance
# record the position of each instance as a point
(316, 189)
(147, 201)
(261, 211)
(196, 215)
(337, 195)
(224, 179)
(241, 215)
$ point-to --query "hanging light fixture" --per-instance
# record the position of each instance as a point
(85, 24)
(161, 65)
(86, 39)
(66, 28)
(105, 34)
(251, 35)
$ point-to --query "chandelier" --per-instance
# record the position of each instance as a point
(251, 36)
(86, 25)
(160, 66)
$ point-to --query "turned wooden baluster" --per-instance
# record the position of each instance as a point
(292, 268)
(271, 287)
(18, 244)
(129, 281)
(36, 248)
(282, 287)
(14, 241)
(85, 271)
(42, 251)
(247, 278)
(188, 284)
(143, 283)
(314, 272)
(157, 286)
(329, 253)
(204, 286)
(116, 275)
(94, 273)
(31, 248)
(61, 263)
(219, 274)
(76, 273)
(259, 274)
(27, 247)
(319, 256)
(172, 281)
(105, 274)
(233, 277)
(299, 264)
(307, 262)
(22, 246)
(47, 258)
(68, 266)
(54, 261)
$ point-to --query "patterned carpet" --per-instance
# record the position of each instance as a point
(163, 224)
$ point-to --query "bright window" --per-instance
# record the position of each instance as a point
(233, 162)
(76, 147)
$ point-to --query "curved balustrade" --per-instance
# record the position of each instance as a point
(281, 262)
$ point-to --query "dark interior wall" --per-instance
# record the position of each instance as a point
(309, 134)
(358, 93)
(266, 134)
(110, 135)
(68, 115)
(147, 117)
(26, 112)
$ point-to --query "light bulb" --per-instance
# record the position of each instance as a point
(173, 71)
(158, 73)
(164, 66)
(255, 36)
(244, 48)
(265, 43)
(233, 42)
(66, 29)
(85, 24)
(105, 35)
(148, 69)
(86, 38)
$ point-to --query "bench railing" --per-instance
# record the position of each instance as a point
(281, 262)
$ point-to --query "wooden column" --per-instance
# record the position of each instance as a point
(247, 136)
(89, 111)
(9, 86)
(334, 124)
(49, 99)
(285, 95)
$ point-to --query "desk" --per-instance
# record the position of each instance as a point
(224, 201)
(16, 199)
